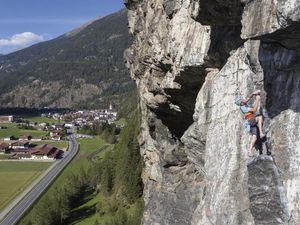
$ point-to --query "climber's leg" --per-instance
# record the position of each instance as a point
(252, 143)
(259, 120)
(253, 131)
(268, 147)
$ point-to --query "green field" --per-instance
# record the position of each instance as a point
(86, 213)
(100, 155)
(90, 202)
(8, 125)
(90, 144)
(62, 145)
(38, 119)
(14, 131)
(16, 176)
(4, 156)
(121, 122)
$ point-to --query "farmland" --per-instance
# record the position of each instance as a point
(38, 119)
(16, 176)
(15, 131)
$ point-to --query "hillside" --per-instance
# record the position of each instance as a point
(82, 68)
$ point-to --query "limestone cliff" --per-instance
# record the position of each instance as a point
(189, 58)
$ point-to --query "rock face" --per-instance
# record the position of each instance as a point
(189, 58)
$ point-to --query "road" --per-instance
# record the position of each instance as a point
(17, 208)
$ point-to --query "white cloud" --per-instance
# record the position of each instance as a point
(22, 39)
(19, 41)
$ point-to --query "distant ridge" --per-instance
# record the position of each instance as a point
(82, 27)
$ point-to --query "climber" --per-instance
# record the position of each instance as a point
(253, 117)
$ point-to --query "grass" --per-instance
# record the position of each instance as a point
(16, 176)
(99, 156)
(62, 145)
(86, 214)
(38, 119)
(121, 122)
(90, 145)
(14, 131)
(4, 156)
(8, 124)
(87, 147)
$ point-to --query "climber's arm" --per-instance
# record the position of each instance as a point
(256, 103)
(252, 94)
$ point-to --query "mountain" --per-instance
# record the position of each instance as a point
(82, 68)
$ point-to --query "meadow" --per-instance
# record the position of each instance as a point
(38, 119)
(15, 131)
(16, 176)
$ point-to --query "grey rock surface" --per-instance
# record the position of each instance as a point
(189, 59)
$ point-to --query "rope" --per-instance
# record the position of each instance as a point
(237, 91)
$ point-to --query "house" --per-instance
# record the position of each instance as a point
(20, 145)
(10, 138)
(6, 119)
(22, 156)
(44, 152)
(32, 124)
(56, 137)
(24, 138)
(43, 124)
(54, 133)
(68, 125)
(20, 150)
(35, 139)
(59, 126)
(4, 148)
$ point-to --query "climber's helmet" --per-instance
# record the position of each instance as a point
(239, 101)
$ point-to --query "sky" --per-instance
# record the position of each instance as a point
(27, 22)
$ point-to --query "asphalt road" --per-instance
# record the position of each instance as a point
(16, 213)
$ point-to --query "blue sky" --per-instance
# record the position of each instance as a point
(26, 22)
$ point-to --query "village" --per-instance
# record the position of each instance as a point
(45, 138)
(80, 118)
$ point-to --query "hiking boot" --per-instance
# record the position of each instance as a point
(264, 139)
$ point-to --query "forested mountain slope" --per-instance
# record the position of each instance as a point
(84, 64)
